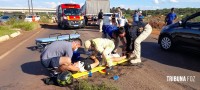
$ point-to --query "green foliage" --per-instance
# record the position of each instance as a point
(27, 26)
(5, 30)
(128, 16)
(45, 18)
(13, 20)
(178, 11)
(84, 85)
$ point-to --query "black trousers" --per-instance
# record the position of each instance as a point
(130, 44)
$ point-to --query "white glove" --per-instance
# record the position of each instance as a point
(81, 66)
(115, 55)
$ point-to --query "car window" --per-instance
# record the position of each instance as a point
(107, 15)
(29, 16)
(5, 17)
(194, 20)
(116, 15)
(72, 11)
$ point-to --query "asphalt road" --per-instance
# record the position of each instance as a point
(20, 68)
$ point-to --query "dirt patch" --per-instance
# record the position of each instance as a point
(155, 32)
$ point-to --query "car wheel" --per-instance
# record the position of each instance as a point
(59, 25)
(166, 43)
(63, 26)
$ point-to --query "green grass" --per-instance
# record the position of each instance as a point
(27, 26)
(45, 19)
(5, 30)
(84, 85)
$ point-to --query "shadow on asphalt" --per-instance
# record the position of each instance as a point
(34, 48)
(179, 57)
(34, 68)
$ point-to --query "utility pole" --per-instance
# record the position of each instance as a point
(32, 6)
(29, 7)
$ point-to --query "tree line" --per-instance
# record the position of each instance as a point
(179, 11)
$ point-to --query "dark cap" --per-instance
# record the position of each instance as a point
(121, 30)
(172, 9)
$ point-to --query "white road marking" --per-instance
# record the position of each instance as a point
(8, 52)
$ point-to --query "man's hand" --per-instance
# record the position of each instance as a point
(141, 29)
(93, 57)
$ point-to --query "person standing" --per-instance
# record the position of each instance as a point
(142, 30)
(135, 17)
(120, 16)
(86, 20)
(114, 20)
(100, 18)
(170, 17)
(141, 17)
(131, 35)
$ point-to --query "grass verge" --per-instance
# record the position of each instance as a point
(27, 26)
(5, 30)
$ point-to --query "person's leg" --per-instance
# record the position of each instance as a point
(96, 63)
(64, 62)
(117, 59)
(137, 46)
(132, 43)
(101, 25)
(106, 55)
(128, 44)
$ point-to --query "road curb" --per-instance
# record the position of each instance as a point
(7, 37)
(4, 38)
(17, 45)
(15, 34)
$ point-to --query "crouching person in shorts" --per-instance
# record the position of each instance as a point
(58, 55)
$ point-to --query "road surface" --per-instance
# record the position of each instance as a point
(20, 68)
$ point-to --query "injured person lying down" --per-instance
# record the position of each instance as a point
(91, 62)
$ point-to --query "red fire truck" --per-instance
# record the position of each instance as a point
(69, 16)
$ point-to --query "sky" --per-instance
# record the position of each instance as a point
(132, 4)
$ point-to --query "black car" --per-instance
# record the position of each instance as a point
(183, 33)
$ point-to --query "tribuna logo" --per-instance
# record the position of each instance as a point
(181, 78)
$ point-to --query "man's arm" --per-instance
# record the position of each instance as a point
(123, 41)
(96, 62)
(175, 16)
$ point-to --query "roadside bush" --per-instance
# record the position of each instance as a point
(21, 24)
(12, 21)
(27, 26)
(45, 19)
(5, 30)
(84, 85)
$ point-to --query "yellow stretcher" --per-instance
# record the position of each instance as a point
(96, 69)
